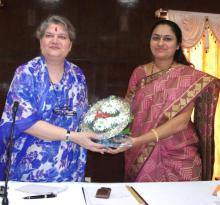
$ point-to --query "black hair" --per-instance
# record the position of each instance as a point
(179, 56)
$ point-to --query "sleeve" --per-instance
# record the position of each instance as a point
(22, 90)
(135, 76)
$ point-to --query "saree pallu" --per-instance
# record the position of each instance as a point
(160, 98)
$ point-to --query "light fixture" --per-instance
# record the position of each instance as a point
(161, 14)
(50, 1)
(128, 3)
(1, 3)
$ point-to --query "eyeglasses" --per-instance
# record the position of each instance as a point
(64, 111)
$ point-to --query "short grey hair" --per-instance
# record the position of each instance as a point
(56, 19)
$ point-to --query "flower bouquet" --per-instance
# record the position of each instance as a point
(109, 117)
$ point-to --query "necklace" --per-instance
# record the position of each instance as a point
(59, 109)
(162, 70)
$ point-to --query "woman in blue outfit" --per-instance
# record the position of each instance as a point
(52, 97)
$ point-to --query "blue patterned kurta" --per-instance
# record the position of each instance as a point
(34, 159)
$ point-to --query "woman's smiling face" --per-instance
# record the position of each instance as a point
(163, 42)
(55, 42)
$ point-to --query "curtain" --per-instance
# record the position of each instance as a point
(201, 43)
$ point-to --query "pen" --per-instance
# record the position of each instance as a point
(84, 195)
(136, 195)
(51, 195)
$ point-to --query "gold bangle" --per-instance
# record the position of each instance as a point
(155, 134)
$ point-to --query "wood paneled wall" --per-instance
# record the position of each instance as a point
(111, 40)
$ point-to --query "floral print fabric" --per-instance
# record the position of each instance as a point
(34, 159)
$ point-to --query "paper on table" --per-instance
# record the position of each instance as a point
(41, 189)
(119, 195)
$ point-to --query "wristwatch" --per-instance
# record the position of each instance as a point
(67, 136)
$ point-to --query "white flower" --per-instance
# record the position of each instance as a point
(122, 118)
(90, 118)
(108, 116)
(110, 107)
(101, 125)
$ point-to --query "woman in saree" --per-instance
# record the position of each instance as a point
(163, 95)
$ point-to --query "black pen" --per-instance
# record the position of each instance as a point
(84, 195)
(51, 195)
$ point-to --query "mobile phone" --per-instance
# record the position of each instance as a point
(103, 192)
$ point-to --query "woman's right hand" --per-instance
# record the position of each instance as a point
(85, 139)
(125, 145)
(47, 131)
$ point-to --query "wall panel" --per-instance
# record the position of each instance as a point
(111, 41)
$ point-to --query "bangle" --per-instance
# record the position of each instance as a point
(155, 134)
(67, 136)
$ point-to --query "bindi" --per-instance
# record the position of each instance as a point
(56, 29)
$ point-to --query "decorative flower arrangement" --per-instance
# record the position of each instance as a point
(108, 117)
